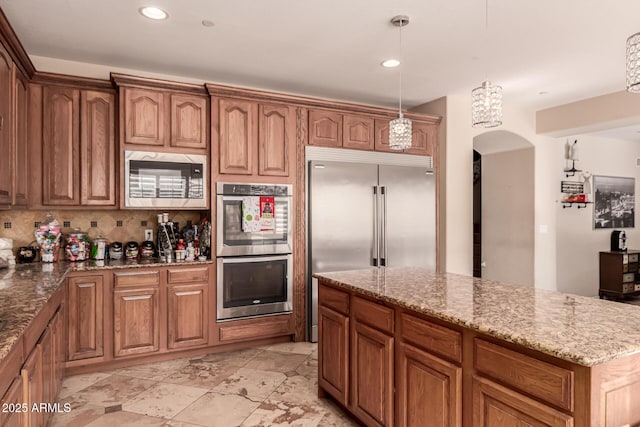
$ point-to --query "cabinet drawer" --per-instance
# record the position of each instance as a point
(188, 275)
(373, 314)
(532, 376)
(433, 338)
(138, 279)
(254, 329)
(334, 299)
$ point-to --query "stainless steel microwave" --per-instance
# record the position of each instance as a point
(165, 180)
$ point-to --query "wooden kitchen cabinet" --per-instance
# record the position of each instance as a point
(188, 122)
(325, 128)
(254, 138)
(6, 142)
(13, 397)
(372, 376)
(20, 120)
(33, 385)
(78, 147)
(187, 307)
(144, 117)
(358, 132)
(276, 124)
(428, 388)
(97, 149)
(333, 353)
(237, 131)
(85, 303)
(498, 406)
(187, 316)
(136, 321)
(60, 146)
(162, 115)
(423, 137)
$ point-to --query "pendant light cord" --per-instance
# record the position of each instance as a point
(401, 67)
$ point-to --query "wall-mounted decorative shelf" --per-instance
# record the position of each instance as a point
(571, 187)
(579, 204)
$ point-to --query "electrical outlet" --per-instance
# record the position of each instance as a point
(148, 234)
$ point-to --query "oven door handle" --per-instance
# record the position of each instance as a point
(245, 259)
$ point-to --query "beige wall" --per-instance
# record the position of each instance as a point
(578, 243)
(508, 216)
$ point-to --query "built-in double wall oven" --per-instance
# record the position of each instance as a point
(253, 250)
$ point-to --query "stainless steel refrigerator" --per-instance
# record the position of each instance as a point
(368, 215)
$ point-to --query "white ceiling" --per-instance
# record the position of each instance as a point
(572, 49)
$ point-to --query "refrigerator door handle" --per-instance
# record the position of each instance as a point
(376, 248)
(383, 237)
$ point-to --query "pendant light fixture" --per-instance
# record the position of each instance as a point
(400, 128)
(486, 100)
(633, 63)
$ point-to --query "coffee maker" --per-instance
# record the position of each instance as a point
(618, 241)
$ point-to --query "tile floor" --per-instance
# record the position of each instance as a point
(266, 386)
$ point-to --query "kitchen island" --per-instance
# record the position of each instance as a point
(409, 347)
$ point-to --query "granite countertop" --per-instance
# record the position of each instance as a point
(26, 288)
(583, 330)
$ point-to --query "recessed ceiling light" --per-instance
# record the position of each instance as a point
(153, 12)
(390, 63)
(207, 23)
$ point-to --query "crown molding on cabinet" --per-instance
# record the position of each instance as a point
(147, 82)
(316, 103)
(15, 48)
(45, 78)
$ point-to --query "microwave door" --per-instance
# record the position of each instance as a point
(233, 240)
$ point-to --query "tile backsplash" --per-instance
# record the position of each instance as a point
(118, 225)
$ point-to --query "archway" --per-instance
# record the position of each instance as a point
(504, 215)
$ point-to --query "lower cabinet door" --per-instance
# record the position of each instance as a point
(136, 323)
(187, 316)
(428, 388)
(372, 376)
(32, 384)
(498, 406)
(48, 370)
(11, 416)
(85, 317)
(333, 353)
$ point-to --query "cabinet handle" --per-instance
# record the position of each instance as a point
(136, 297)
(86, 285)
(1, 122)
(184, 293)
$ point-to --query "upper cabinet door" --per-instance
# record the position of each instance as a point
(97, 148)
(382, 135)
(60, 144)
(424, 137)
(20, 140)
(357, 132)
(276, 128)
(6, 143)
(144, 114)
(237, 131)
(325, 128)
(188, 121)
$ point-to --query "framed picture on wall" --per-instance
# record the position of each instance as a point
(614, 202)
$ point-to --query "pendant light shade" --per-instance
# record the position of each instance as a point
(400, 133)
(400, 128)
(633, 63)
(486, 105)
(486, 100)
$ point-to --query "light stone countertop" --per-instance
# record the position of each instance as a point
(26, 288)
(583, 330)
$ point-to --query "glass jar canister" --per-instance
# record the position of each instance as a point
(77, 248)
(99, 248)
